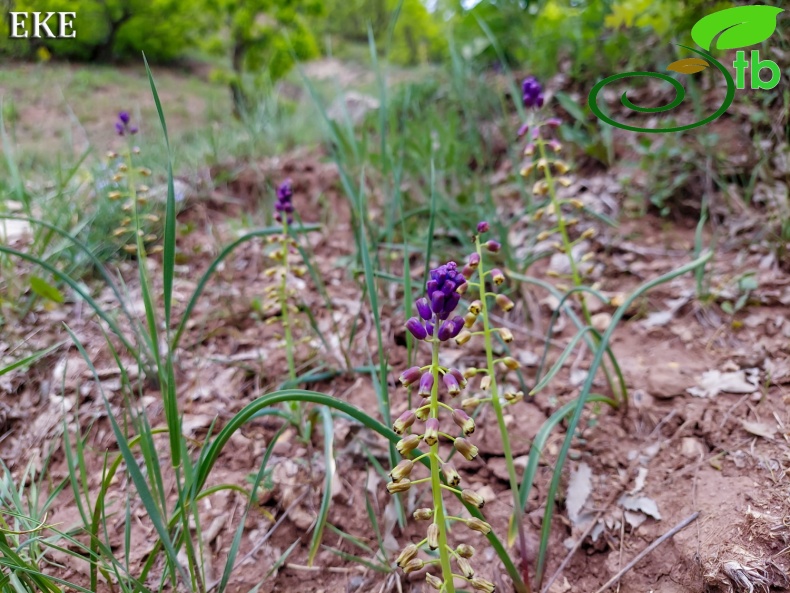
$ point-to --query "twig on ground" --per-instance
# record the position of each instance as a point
(680, 526)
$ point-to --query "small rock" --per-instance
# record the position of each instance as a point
(692, 448)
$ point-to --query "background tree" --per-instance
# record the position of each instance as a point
(260, 38)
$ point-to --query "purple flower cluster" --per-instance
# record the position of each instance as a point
(285, 193)
(443, 292)
(122, 125)
(532, 93)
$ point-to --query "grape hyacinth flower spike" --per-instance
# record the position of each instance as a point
(437, 421)
(284, 204)
(122, 125)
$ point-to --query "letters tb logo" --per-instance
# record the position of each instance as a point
(741, 64)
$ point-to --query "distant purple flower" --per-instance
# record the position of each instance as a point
(285, 193)
(532, 93)
(122, 126)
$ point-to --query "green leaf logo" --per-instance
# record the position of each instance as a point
(739, 27)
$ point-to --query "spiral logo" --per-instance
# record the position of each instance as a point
(683, 66)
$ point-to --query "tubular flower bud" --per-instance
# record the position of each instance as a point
(407, 554)
(478, 525)
(462, 288)
(470, 403)
(473, 498)
(485, 383)
(588, 234)
(467, 271)
(470, 372)
(506, 335)
(424, 514)
(465, 567)
(511, 396)
(416, 328)
(465, 448)
(431, 431)
(504, 303)
(433, 536)
(469, 320)
(402, 486)
(453, 388)
(451, 475)
(482, 585)
(474, 260)
(459, 376)
(529, 149)
(424, 308)
(451, 328)
(475, 307)
(402, 470)
(464, 422)
(423, 411)
(465, 551)
(413, 565)
(434, 582)
(426, 384)
(562, 167)
(493, 246)
(511, 363)
(410, 376)
(404, 421)
(497, 276)
(407, 444)
(483, 226)
(463, 337)
(429, 327)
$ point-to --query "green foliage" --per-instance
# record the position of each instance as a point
(111, 29)
(417, 35)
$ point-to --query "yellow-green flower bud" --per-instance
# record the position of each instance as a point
(464, 422)
(431, 435)
(413, 565)
(588, 234)
(485, 383)
(511, 363)
(512, 396)
(504, 303)
(463, 337)
(475, 307)
(470, 372)
(473, 498)
(465, 567)
(482, 585)
(561, 167)
(465, 448)
(423, 411)
(462, 288)
(433, 536)
(469, 320)
(407, 554)
(451, 475)
(434, 582)
(114, 195)
(423, 514)
(478, 525)
(465, 551)
(497, 276)
(402, 486)
(402, 470)
(470, 403)
(506, 335)
(407, 444)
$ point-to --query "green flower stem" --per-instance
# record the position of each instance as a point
(496, 404)
(568, 249)
(436, 483)
(296, 407)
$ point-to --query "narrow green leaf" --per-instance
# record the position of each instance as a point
(329, 474)
(45, 290)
